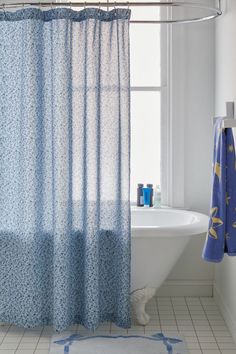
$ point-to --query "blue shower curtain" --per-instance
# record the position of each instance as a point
(64, 167)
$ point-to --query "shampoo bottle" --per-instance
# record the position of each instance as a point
(151, 197)
(140, 195)
(157, 197)
(147, 197)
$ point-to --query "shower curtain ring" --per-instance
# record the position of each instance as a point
(128, 4)
(70, 5)
(99, 5)
(85, 4)
(51, 5)
(115, 5)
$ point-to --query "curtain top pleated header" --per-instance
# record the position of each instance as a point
(64, 13)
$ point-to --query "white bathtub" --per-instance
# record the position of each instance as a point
(159, 237)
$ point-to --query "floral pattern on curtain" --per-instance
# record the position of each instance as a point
(64, 167)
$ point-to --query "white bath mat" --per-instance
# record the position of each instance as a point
(68, 343)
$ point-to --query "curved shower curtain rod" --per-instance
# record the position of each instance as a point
(214, 11)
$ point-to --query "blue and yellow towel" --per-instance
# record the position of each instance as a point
(221, 237)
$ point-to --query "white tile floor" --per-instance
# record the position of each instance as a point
(197, 319)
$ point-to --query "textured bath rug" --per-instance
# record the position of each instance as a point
(158, 343)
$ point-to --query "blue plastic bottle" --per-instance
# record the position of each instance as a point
(147, 197)
(151, 197)
(140, 195)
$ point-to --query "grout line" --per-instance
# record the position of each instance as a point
(158, 313)
(19, 341)
(173, 309)
(110, 328)
(5, 333)
(39, 339)
(199, 343)
(210, 325)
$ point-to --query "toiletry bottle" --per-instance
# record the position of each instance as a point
(140, 195)
(157, 197)
(151, 197)
(146, 197)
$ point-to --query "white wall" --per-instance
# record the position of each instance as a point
(193, 83)
(225, 280)
(200, 74)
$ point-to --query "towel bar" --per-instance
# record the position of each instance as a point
(229, 121)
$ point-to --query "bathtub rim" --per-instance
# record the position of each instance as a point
(186, 230)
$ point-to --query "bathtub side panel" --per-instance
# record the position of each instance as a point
(153, 258)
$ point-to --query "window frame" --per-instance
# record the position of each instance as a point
(162, 89)
(173, 61)
(172, 99)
